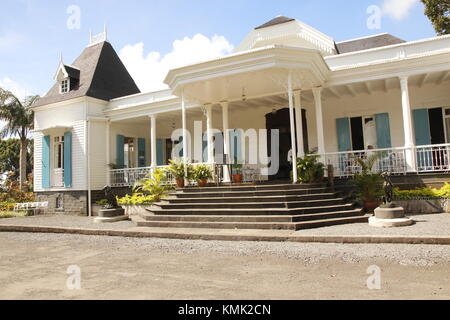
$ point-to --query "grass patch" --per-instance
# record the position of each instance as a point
(12, 214)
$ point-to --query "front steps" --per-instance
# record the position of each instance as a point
(257, 207)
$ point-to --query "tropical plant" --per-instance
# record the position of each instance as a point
(136, 199)
(201, 172)
(154, 185)
(19, 120)
(423, 193)
(369, 184)
(309, 169)
(438, 11)
(10, 156)
(177, 169)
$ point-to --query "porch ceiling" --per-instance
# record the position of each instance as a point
(252, 74)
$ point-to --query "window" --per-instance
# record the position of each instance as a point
(447, 124)
(65, 84)
(130, 155)
(58, 153)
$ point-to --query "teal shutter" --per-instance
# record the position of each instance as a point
(68, 159)
(142, 160)
(422, 127)
(383, 131)
(236, 142)
(205, 148)
(423, 136)
(46, 162)
(120, 143)
(343, 134)
(160, 152)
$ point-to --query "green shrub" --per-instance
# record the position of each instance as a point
(7, 206)
(369, 185)
(102, 202)
(137, 199)
(12, 214)
(309, 169)
(423, 193)
(177, 170)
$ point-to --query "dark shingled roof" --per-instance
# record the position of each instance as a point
(72, 72)
(102, 75)
(273, 22)
(378, 41)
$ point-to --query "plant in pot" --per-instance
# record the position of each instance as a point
(237, 172)
(369, 184)
(310, 170)
(177, 169)
(202, 173)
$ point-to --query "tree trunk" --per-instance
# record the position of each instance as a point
(23, 163)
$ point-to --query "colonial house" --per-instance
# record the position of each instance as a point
(95, 128)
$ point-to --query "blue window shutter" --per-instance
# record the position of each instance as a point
(343, 134)
(383, 131)
(120, 151)
(142, 159)
(46, 162)
(205, 147)
(422, 127)
(236, 143)
(160, 143)
(68, 159)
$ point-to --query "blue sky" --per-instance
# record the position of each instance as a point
(33, 33)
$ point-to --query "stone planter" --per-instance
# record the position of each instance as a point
(136, 210)
(424, 206)
(95, 209)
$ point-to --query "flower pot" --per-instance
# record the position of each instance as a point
(180, 182)
(237, 178)
(202, 183)
(371, 205)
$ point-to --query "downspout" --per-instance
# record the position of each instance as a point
(87, 159)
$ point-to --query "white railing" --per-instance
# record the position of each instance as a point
(433, 158)
(58, 178)
(345, 164)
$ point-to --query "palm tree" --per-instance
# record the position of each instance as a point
(19, 120)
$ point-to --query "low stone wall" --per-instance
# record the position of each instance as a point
(425, 206)
(71, 202)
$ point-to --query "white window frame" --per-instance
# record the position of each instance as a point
(58, 142)
(64, 86)
(446, 128)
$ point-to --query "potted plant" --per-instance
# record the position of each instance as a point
(202, 173)
(369, 184)
(237, 175)
(178, 171)
(310, 170)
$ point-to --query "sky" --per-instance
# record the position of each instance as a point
(153, 36)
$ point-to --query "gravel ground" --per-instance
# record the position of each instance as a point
(67, 221)
(309, 253)
(425, 225)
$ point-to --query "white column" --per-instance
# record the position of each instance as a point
(108, 153)
(226, 138)
(407, 126)
(153, 149)
(183, 116)
(317, 92)
(299, 123)
(209, 133)
(293, 137)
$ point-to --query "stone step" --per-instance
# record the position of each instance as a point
(249, 205)
(258, 193)
(249, 219)
(254, 211)
(293, 198)
(254, 225)
(252, 187)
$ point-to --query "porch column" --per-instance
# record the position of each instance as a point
(317, 92)
(108, 153)
(153, 149)
(183, 120)
(407, 126)
(293, 137)
(299, 123)
(226, 139)
(209, 133)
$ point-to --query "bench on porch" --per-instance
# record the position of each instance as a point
(34, 207)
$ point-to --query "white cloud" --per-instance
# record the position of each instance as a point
(150, 70)
(13, 86)
(398, 9)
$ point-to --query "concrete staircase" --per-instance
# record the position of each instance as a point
(263, 207)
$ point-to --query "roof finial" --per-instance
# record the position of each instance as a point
(105, 30)
(90, 36)
(61, 57)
